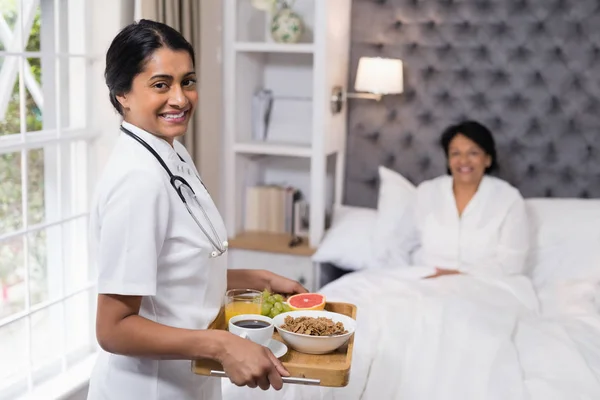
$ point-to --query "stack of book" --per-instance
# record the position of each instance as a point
(275, 209)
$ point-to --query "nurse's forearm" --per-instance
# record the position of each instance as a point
(140, 337)
(247, 279)
(121, 330)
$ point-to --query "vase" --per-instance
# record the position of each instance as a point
(286, 26)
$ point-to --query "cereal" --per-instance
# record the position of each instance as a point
(320, 326)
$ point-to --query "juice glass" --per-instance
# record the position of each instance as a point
(242, 301)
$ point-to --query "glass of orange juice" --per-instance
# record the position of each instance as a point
(242, 301)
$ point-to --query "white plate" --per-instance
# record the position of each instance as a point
(277, 348)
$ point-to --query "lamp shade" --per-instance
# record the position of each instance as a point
(379, 76)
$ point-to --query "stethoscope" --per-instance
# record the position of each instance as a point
(219, 246)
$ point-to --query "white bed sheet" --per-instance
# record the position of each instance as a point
(413, 335)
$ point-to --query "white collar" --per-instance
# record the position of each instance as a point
(478, 196)
(161, 146)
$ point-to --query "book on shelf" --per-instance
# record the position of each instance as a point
(276, 209)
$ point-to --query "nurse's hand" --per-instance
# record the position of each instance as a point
(249, 364)
(441, 272)
(260, 279)
(279, 284)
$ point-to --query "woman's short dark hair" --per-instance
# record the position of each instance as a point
(130, 50)
(477, 133)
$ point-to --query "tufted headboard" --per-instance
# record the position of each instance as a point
(527, 69)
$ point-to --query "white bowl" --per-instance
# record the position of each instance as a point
(315, 344)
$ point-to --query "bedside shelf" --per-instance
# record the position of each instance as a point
(303, 143)
(259, 47)
(270, 243)
(274, 149)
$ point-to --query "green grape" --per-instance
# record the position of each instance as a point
(279, 307)
(274, 313)
(286, 308)
(271, 299)
(265, 294)
(266, 309)
(278, 297)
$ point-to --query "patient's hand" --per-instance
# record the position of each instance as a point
(442, 272)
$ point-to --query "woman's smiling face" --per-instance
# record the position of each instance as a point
(163, 95)
(466, 160)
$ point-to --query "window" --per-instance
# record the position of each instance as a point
(46, 291)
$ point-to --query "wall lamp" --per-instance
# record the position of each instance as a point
(375, 77)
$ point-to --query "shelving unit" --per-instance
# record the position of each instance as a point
(258, 47)
(305, 143)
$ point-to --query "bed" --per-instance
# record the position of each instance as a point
(530, 337)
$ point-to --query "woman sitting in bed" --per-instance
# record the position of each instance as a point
(468, 221)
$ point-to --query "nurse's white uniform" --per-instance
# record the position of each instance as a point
(148, 245)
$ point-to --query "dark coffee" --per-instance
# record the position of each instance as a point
(251, 324)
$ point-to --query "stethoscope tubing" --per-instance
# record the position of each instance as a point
(176, 178)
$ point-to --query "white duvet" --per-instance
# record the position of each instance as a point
(456, 337)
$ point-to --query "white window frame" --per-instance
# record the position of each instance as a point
(66, 194)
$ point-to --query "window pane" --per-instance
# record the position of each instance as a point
(34, 94)
(76, 193)
(12, 277)
(79, 326)
(47, 341)
(75, 254)
(35, 187)
(31, 27)
(11, 207)
(13, 358)
(10, 116)
(73, 93)
(9, 9)
(45, 266)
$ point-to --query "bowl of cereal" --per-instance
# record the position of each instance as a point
(314, 332)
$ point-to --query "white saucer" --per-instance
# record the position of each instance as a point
(277, 348)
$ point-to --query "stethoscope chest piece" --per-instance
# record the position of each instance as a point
(215, 253)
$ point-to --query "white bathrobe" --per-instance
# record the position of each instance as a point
(490, 237)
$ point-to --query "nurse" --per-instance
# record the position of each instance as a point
(161, 254)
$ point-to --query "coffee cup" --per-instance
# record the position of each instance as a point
(254, 327)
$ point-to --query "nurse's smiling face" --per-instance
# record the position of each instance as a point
(163, 95)
(467, 161)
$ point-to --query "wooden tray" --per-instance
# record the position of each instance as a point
(331, 369)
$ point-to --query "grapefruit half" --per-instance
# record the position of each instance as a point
(307, 301)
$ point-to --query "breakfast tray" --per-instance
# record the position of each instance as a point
(331, 369)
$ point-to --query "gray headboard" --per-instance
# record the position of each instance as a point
(527, 69)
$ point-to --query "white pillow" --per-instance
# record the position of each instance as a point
(392, 241)
(347, 242)
(565, 246)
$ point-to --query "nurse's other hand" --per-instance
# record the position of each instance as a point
(249, 364)
(279, 284)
